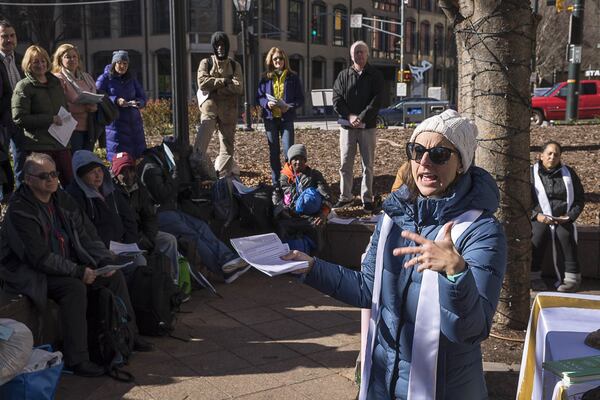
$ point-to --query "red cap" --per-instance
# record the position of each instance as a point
(120, 161)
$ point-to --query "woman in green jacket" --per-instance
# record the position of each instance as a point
(36, 102)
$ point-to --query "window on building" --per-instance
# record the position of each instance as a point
(359, 33)
(318, 74)
(438, 39)
(100, 60)
(411, 3)
(296, 20)
(296, 65)
(386, 5)
(205, 18)
(160, 17)
(163, 72)
(71, 21)
(99, 21)
(270, 19)
(410, 37)
(131, 18)
(338, 66)
(340, 26)
(319, 23)
(425, 38)
(426, 5)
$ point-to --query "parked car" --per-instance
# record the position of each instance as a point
(417, 109)
(553, 104)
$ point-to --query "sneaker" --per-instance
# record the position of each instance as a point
(234, 265)
(185, 298)
(568, 287)
(87, 369)
(342, 204)
(369, 206)
(229, 278)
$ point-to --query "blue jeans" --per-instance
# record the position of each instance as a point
(214, 253)
(18, 154)
(275, 128)
(80, 140)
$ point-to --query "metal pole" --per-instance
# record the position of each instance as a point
(402, 41)
(179, 71)
(243, 21)
(575, 48)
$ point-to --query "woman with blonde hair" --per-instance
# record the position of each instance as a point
(279, 93)
(67, 66)
(36, 100)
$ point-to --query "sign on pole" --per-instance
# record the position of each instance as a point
(401, 89)
(356, 20)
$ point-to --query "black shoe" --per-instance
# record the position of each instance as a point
(342, 204)
(87, 369)
(141, 345)
(368, 206)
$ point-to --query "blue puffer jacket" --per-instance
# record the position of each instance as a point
(467, 305)
(126, 133)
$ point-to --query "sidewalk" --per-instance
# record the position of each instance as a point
(269, 338)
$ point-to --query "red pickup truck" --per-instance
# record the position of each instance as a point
(553, 104)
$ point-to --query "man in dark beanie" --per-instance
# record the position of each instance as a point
(220, 84)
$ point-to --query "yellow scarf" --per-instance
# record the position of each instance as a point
(278, 81)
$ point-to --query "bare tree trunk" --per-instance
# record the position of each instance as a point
(494, 41)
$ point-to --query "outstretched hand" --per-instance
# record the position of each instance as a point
(296, 255)
(440, 256)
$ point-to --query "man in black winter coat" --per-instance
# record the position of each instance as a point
(49, 249)
(357, 99)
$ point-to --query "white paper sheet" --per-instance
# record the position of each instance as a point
(127, 249)
(279, 102)
(264, 253)
(62, 133)
(111, 267)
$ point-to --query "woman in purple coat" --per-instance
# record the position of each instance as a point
(279, 94)
(126, 133)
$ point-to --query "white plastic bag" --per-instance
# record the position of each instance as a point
(14, 352)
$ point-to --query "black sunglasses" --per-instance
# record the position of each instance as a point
(45, 176)
(438, 154)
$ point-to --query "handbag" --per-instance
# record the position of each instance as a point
(107, 111)
(37, 385)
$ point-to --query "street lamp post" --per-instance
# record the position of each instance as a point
(243, 8)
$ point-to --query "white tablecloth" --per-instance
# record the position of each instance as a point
(557, 328)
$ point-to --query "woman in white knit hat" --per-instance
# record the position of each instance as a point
(438, 242)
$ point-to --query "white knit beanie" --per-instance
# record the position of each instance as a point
(460, 131)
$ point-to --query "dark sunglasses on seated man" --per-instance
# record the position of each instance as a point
(46, 176)
(438, 155)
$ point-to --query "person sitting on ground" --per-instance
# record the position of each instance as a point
(557, 195)
(49, 249)
(159, 174)
(304, 203)
(149, 237)
(94, 192)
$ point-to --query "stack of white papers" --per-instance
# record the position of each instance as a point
(62, 133)
(278, 102)
(264, 253)
(125, 249)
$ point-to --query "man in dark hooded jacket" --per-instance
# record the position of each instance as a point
(220, 84)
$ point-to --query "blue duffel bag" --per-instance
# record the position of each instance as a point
(40, 384)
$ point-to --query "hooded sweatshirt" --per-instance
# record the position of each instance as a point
(107, 209)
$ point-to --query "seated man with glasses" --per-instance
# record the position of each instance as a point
(49, 249)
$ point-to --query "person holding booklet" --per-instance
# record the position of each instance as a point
(431, 274)
(36, 103)
(279, 94)
(49, 249)
(66, 66)
(558, 201)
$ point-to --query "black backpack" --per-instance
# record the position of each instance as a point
(110, 338)
(256, 209)
(225, 206)
(154, 296)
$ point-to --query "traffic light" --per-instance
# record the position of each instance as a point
(560, 5)
(406, 75)
(314, 27)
